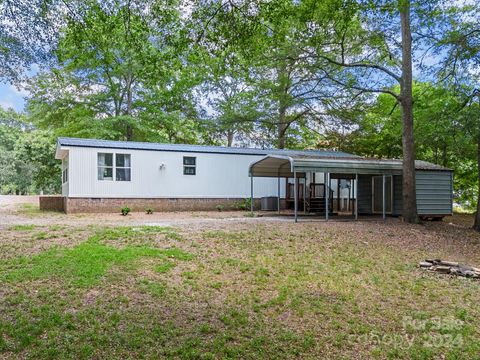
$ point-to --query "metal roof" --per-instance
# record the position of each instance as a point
(283, 166)
(108, 144)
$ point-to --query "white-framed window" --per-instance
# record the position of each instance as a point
(122, 167)
(108, 163)
(189, 165)
(65, 171)
(105, 166)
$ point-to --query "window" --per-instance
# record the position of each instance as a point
(189, 165)
(105, 166)
(122, 167)
(65, 171)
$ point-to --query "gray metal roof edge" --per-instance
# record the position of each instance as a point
(287, 158)
(366, 163)
(130, 145)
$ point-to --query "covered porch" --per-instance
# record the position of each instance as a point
(360, 186)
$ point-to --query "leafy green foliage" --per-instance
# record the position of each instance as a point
(443, 134)
(27, 157)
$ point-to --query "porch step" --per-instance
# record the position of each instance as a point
(317, 205)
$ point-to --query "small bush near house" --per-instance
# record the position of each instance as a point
(149, 211)
(245, 204)
(125, 210)
(219, 207)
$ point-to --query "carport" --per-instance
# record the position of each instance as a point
(296, 167)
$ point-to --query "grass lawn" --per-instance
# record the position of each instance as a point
(242, 289)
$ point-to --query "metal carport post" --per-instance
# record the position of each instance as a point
(278, 197)
(383, 198)
(326, 180)
(251, 192)
(295, 193)
(355, 193)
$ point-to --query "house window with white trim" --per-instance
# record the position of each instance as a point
(189, 165)
(65, 171)
(105, 166)
(122, 167)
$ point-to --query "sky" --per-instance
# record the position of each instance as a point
(11, 97)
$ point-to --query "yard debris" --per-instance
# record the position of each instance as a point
(450, 267)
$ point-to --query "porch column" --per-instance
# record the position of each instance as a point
(355, 187)
(305, 194)
(295, 194)
(278, 199)
(338, 195)
(251, 192)
(327, 194)
(383, 198)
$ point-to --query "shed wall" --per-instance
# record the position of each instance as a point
(397, 195)
(364, 192)
(434, 192)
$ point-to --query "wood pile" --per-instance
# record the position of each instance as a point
(450, 267)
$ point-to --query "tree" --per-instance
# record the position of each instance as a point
(262, 37)
(119, 74)
(444, 129)
(26, 35)
(37, 149)
(356, 46)
(16, 175)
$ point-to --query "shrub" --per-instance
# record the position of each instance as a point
(149, 211)
(243, 205)
(219, 207)
(125, 210)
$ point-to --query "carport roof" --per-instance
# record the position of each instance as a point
(283, 166)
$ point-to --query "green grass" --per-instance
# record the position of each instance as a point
(22, 227)
(264, 291)
(85, 264)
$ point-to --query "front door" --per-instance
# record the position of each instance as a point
(377, 191)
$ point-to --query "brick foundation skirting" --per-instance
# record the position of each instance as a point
(52, 203)
(114, 205)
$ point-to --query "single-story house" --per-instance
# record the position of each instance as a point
(104, 176)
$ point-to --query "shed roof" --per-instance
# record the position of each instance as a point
(108, 144)
(283, 166)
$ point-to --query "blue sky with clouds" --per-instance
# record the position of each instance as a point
(11, 97)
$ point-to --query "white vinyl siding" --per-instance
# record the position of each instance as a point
(160, 174)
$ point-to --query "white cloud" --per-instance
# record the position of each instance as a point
(19, 91)
(7, 104)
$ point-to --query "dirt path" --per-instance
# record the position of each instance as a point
(16, 210)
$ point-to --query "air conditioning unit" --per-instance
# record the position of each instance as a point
(269, 203)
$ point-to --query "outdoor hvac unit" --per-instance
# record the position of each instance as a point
(269, 203)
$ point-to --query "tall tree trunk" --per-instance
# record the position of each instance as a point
(283, 84)
(476, 224)
(230, 134)
(129, 110)
(281, 126)
(406, 101)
